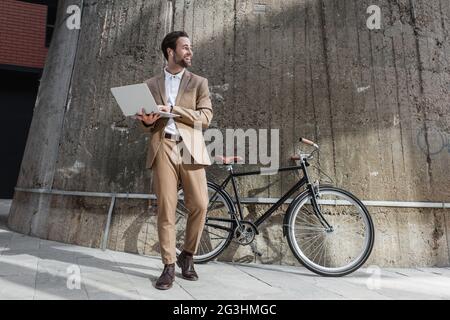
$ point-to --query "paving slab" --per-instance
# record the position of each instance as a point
(32, 268)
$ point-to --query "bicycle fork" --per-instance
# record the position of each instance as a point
(319, 214)
(315, 195)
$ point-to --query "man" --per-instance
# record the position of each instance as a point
(187, 95)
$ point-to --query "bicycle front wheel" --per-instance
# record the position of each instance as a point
(219, 225)
(336, 250)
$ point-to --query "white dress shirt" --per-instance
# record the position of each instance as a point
(172, 83)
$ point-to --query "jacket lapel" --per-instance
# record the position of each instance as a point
(162, 88)
(184, 82)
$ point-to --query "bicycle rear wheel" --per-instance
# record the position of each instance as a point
(219, 225)
(331, 252)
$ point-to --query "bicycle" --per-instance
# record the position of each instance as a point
(317, 223)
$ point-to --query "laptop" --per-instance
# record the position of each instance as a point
(132, 98)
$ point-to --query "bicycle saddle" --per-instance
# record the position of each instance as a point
(228, 160)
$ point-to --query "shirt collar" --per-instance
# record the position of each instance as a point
(179, 75)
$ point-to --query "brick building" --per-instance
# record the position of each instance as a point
(25, 32)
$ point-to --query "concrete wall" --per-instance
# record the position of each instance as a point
(375, 100)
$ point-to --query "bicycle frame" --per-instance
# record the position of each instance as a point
(303, 181)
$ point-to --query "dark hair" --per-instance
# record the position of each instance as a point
(170, 41)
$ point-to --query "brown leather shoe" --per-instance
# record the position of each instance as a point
(167, 277)
(186, 262)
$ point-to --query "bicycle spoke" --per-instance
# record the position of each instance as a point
(307, 224)
(309, 237)
(312, 244)
(311, 241)
(311, 228)
(324, 252)
(349, 218)
(299, 233)
(312, 218)
(308, 233)
(318, 250)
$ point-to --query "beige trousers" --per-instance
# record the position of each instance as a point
(168, 171)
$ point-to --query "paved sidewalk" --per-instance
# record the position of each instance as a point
(31, 268)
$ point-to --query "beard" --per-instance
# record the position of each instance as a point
(183, 62)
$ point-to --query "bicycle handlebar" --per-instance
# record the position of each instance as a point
(306, 156)
(309, 142)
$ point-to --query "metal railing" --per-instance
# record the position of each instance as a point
(114, 196)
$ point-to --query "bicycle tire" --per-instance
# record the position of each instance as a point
(302, 250)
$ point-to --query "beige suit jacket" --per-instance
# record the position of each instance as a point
(193, 105)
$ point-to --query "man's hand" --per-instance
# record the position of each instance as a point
(148, 119)
(164, 108)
